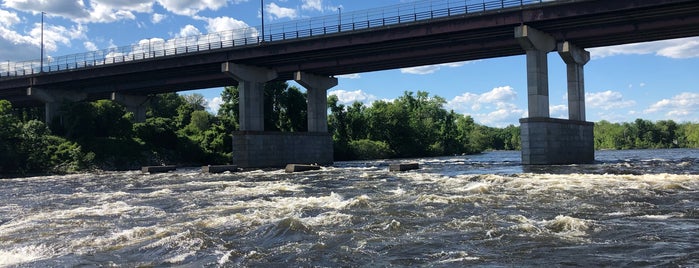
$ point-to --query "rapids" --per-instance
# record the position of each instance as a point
(632, 208)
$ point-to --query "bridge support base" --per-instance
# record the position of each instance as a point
(135, 104)
(53, 99)
(550, 141)
(257, 149)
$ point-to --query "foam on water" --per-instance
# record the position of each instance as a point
(356, 214)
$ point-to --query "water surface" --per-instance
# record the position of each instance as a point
(632, 208)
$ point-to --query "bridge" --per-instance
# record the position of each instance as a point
(313, 51)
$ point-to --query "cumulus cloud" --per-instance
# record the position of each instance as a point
(215, 104)
(493, 108)
(429, 69)
(681, 106)
(607, 100)
(65, 8)
(312, 5)
(349, 97)
(191, 7)
(276, 12)
(188, 30)
(157, 18)
(559, 111)
(8, 18)
(90, 46)
(682, 48)
(221, 24)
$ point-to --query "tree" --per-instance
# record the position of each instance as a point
(228, 111)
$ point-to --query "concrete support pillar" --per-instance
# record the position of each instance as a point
(251, 87)
(317, 88)
(53, 99)
(537, 45)
(134, 103)
(575, 59)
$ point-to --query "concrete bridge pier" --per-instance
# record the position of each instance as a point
(546, 140)
(53, 99)
(255, 148)
(317, 90)
(134, 103)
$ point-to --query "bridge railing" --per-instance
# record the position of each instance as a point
(418, 11)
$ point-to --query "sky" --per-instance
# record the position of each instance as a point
(654, 81)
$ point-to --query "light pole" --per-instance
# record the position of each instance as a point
(262, 15)
(339, 19)
(41, 67)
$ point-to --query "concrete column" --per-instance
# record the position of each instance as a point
(575, 59)
(251, 87)
(53, 99)
(317, 88)
(537, 45)
(134, 103)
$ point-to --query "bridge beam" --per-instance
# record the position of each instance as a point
(575, 59)
(134, 103)
(317, 88)
(537, 44)
(251, 87)
(53, 99)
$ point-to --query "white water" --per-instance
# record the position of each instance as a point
(452, 211)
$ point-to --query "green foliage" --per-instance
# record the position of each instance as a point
(644, 134)
(367, 149)
(413, 125)
(27, 147)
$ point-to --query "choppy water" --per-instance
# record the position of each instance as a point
(634, 208)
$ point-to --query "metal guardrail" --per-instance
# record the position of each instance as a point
(352, 21)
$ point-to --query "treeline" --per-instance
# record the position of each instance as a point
(644, 134)
(102, 135)
(179, 130)
(413, 125)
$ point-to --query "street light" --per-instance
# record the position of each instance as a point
(41, 67)
(262, 14)
(339, 19)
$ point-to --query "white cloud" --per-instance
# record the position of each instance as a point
(473, 101)
(607, 100)
(684, 106)
(559, 111)
(90, 46)
(312, 5)
(493, 108)
(65, 8)
(215, 104)
(221, 24)
(349, 76)
(8, 18)
(157, 18)
(276, 12)
(191, 7)
(429, 69)
(349, 97)
(189, 30)
(682, 48)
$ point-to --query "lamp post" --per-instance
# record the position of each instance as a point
(41, 67)
(262, 15)
(339, 19)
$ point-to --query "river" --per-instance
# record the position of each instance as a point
(632, 208)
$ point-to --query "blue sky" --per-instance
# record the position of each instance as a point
(655, 81)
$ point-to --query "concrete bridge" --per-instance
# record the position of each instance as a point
(401, 36)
